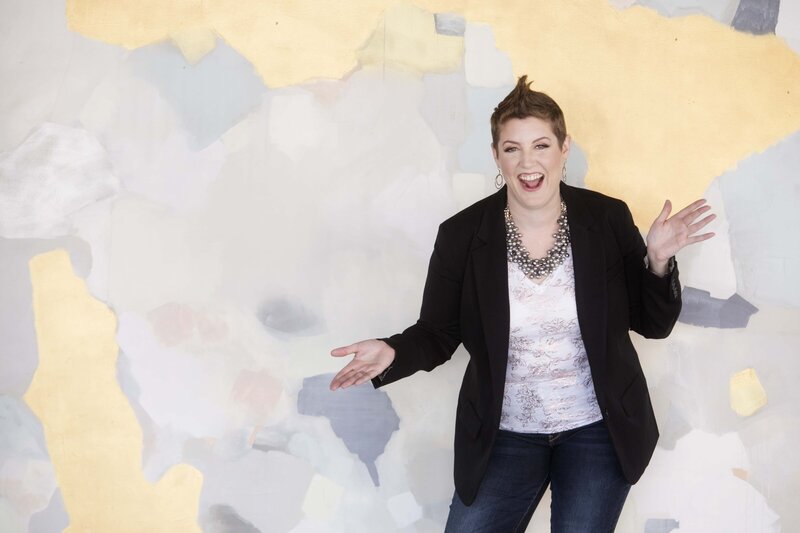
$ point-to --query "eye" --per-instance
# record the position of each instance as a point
(510, 149)
(542, 146)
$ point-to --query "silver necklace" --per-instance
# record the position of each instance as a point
(540, 267)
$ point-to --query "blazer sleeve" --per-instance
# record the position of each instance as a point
(654, 302)
(432, 340)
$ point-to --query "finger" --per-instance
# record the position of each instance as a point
(354, 378)
(697, 226)
(691, 207)
(345, 374)
(700, 238)
(662, 216)
(690, 217)
(344, 350)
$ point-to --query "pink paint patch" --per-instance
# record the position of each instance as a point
(211, 329)
(258, 391)
(172, 323)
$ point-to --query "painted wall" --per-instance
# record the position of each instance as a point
(199, 199)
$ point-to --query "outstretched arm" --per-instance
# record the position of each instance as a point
(423, 346)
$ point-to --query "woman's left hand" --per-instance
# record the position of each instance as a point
(668, 234)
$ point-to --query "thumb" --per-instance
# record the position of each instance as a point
(344, 350)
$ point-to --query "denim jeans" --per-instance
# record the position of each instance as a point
(581, 467)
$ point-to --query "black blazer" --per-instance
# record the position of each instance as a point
(466, 301)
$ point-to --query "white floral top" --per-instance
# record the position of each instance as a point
(548, 381)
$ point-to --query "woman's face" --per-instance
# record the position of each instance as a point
(530, 160)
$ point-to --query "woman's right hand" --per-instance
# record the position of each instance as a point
(372, 357)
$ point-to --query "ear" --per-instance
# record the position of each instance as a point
(565, 146)
(494, 155)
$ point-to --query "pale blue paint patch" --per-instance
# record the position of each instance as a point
(151, 434)
(18, 350)
(22, 452)
(210, 96)
(720, 10)
(475, 154)
(449, 24)
(701, 309)
(761, 196)
(660, 525)
(577, 165)
(267, 489)
(361, 416)
(672, 427)
(52, 519)
(756, 16)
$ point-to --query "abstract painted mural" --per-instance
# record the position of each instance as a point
(200, 198)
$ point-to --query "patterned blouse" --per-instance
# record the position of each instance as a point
(548, 381)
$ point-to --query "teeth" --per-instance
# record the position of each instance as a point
(531, 177)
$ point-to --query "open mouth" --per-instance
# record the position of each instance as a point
(531, 182)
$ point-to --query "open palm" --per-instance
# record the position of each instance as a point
(668, 234)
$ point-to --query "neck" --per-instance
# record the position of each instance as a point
(533, 219)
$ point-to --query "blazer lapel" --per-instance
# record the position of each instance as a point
(588, 259)
(491, 277)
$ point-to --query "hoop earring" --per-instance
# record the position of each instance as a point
(564, 173)
(498, 180)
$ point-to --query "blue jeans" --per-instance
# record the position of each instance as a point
(581, 467)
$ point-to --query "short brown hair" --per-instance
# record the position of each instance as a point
(522, 102)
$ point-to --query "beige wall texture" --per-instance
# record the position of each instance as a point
(198, 199)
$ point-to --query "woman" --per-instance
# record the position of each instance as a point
(541, 282)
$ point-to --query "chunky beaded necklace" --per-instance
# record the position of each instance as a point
(540, 267)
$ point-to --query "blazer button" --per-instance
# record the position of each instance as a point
(606, 412)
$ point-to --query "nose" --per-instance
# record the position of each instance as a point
(528, 158)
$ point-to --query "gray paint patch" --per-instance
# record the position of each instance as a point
(701, 309)
(449, 24)
(224, 519)
(210, 96)
(660, 525)
(281, 315)
(18, 350)
(361, 416)
(53, 519)
(756, 16)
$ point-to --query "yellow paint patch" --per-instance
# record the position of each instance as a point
(661, 106)
(92, 434)
(133, 24)
(406, 39)
(747, 394)
(740, 473)
(322, 498)
(194, 43)
(293, 42)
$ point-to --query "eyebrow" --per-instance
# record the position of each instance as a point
(535, 140)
